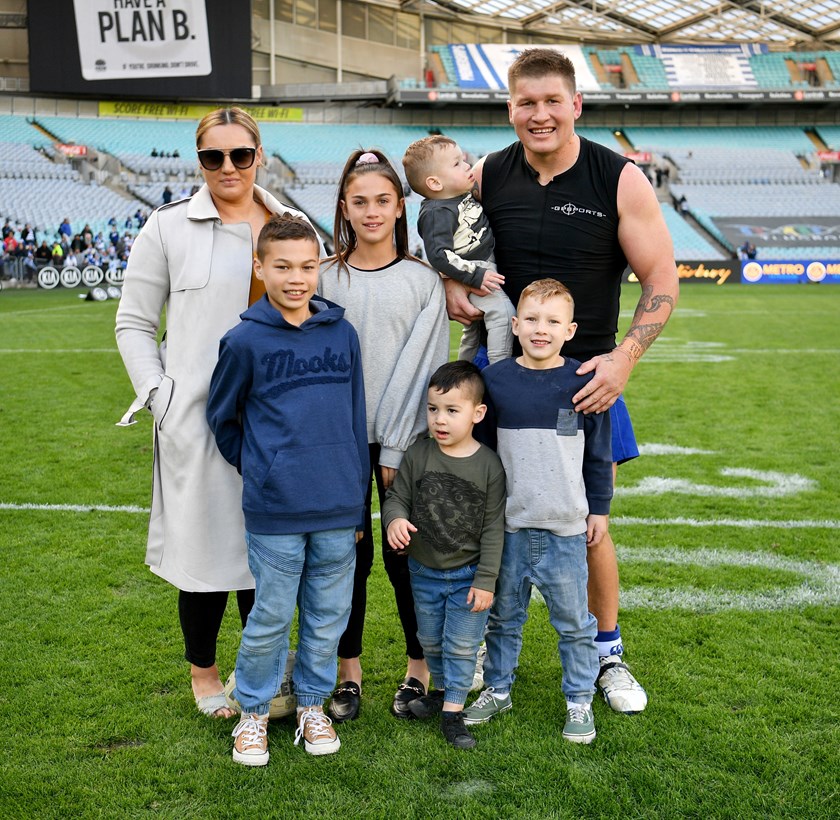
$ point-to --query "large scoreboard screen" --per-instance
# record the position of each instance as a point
(170, 49)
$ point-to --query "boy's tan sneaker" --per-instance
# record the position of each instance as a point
(251, 745)
(316, 729)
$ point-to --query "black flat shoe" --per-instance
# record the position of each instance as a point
(454, 730)
(407, 691)
(345, 702)
(427, 706)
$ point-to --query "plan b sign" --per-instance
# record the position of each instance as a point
(140, 39)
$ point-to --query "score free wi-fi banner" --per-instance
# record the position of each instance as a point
(145, 38)
(162, 49)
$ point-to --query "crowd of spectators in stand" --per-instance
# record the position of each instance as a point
(26, 249)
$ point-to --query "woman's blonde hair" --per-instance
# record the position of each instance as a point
(228, 116)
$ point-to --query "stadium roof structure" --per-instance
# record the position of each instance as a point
(780, 24)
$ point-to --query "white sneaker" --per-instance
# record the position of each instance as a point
(622, 692)
(319, 737)
(478, 677)
(251, 745)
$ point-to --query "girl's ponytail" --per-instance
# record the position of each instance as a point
(366, 161)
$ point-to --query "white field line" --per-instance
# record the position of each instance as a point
(819, 584)
(775, 485)
(16, 313)
(77, 508)
(747, 523)
(694, 313)
(653, 449)
(48, 351)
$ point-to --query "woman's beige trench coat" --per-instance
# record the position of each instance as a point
(186, 260)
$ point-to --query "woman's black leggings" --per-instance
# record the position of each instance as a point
(396, 565)
(201, 618)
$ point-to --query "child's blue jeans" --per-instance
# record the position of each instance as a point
(314, 571)
(448, 631)
(556, 565)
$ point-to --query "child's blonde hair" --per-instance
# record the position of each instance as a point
(544, 289)
(419, 160)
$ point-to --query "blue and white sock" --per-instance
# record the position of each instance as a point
(609, 643)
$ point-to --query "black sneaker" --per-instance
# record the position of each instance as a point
(428, 705)
(345, 702)
(454, 730)
(407, 691)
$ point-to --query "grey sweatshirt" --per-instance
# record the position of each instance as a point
(399, 312)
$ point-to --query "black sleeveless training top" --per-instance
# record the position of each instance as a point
(566, 230)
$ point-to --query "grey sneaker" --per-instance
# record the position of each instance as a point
(486, 706)
(580, 723)
(622, 692)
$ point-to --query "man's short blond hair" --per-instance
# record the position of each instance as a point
(419, 161)
(536, 63)
(544, 289)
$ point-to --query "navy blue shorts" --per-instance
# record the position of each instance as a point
(624, 445)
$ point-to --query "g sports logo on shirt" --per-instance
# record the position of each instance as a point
(570, 209)
(299, 372)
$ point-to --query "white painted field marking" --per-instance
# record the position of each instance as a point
(677, 350)
(776, 485)
(820, 584)
(672, 450)
(684, 313)
(748, 523)
(79, 508)
(14, 314)
(798, 351)
(745, 523)
(73, 350)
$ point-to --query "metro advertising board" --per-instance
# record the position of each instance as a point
(754, 272)
(790, 271)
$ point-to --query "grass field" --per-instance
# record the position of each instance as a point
(728, 535)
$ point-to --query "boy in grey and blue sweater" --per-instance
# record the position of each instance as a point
(559, 484)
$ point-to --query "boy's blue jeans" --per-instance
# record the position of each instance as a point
(448, 632)
(556, 565)
(314, 571)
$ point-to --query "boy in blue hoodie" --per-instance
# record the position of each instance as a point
(287, 408)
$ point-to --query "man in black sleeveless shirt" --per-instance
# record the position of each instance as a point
(564, 207)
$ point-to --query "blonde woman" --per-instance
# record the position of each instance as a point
(195, 258)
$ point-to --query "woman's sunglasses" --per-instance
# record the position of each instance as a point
(212, 159)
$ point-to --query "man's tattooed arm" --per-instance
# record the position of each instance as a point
(642, 333)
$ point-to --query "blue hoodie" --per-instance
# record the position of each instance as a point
(287, 408)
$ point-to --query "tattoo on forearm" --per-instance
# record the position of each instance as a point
(641, 335)
(657, 301)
